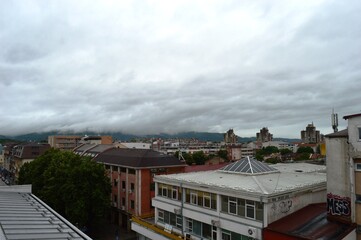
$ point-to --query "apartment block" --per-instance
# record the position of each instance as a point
(131, 172)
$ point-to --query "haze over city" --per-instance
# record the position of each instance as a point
(145, 67)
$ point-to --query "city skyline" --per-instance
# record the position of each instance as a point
(148, 67)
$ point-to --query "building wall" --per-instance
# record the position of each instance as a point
(287, 205)
(64, 142)
(339, 179)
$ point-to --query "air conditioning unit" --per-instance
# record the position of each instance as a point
(177, 211)
(114, 204)
(130, 191)
(216, 223)
(123, 208)
(252, 232)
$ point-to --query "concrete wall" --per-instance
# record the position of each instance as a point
(338, 167)
(353, 134)
(279, 209)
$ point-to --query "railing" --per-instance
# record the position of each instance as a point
(156, 229)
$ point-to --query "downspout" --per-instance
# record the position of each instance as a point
(182, 200)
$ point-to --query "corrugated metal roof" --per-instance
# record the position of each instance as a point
(24, 216)
(248, 166)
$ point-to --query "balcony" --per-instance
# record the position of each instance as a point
(150, 229)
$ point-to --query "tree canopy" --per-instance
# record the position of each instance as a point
(75, 186)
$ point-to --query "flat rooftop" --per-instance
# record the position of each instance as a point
(289, 177)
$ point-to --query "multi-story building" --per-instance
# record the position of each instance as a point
(131, 172)
(230, 137)
(264, 135)
(235, 202)
(24, 153)
(310, 135)
(67, 143)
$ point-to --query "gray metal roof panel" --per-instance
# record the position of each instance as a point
(24, 216)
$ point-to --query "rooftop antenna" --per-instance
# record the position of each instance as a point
(334, 121)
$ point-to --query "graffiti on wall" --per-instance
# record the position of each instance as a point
(337, 205)
(283, 206)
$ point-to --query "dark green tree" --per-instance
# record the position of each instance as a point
(269, 150)
(305, 150)
(74, 186)
(223, 154)
(199, 157)
(285, 151)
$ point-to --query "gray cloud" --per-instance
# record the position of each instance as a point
(171, 66)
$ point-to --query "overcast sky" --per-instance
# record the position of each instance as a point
(146, 67)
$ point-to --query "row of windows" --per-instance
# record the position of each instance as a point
(115, 183)
(168, 191)
(170, 218)
(124, 170)
(241, 207)
(207, 231)
(231, 205)
(200, 198)
(132, 204)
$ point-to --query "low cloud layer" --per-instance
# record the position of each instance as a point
(145, 67)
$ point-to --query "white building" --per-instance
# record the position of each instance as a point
(235, 202)
(279, 145)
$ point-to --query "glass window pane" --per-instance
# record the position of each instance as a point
(197, 227)
(206, 231)
(224, 203)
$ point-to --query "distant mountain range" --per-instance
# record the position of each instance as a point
(203, 136)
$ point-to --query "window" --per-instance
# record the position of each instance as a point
(174, 192)
(357, 166)
(164, 190)
(123, 201)
(132, 204)
(250, 209)
(161, 216)
(194, 198)
(179, 222)
(214, 233)
(358, 198)
(207, 200)
(132, 186)
(115, 182)
(226, 235)
(189, 225)
(232, 205)
(359, 133)
(152, 186)
(131, 171)
(123, 184)
(115, 198)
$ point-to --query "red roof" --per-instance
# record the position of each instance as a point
(310, 222)
(200, 168)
